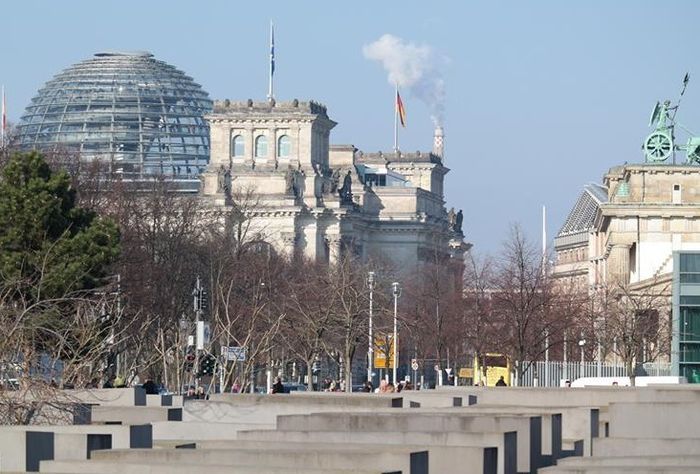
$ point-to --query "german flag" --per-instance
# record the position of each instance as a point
(400, 110)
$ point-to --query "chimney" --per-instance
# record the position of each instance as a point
(439, 142)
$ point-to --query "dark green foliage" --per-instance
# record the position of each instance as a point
(48, 246)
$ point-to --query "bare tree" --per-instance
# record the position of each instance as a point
(522, 299)
(632, 322)
(310, 314)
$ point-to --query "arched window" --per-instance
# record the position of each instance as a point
(284, 146)
(261, 146)
(237, 145)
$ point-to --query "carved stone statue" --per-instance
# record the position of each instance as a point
(335, 180)
(451, 218)
(346, 191)
(227, 182)
(458, 222)
(220, 178)
(289, 182)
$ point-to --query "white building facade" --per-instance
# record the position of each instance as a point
(300, 194)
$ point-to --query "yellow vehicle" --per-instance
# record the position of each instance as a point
(491, 368)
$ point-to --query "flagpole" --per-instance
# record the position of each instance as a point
(3, 119)
(544, 240)
(270, 93)
(396, 119)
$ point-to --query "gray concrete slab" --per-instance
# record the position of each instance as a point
(446, 460)
(200, 431)
(646, 446)
(106, 467)
(506, 446)
(654, 420)
(529, 447)
(134, 415)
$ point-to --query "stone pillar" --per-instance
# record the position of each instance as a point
(619, 264)
(249, 154)
(334, 242)
(289, 242)
(272, 148)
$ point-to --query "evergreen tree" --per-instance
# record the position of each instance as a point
(49, 247)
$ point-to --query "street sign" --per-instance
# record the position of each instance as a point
(383, 351)
(414, 364)
(203, 334)
(233, 353)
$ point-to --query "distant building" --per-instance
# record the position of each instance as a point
(139, 116)
(301, 194)
(626, 230)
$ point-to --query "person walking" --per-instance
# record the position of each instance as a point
(277, 387)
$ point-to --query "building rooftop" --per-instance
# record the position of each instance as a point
(415, 157)
(583, 214)
(142, 116)
(309, 107)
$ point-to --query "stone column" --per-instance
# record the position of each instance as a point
(272, 149)
(249, 154)
(334, 242)
(289, 242)
(619, 264)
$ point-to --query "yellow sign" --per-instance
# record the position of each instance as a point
(466, 373)
(383, 351)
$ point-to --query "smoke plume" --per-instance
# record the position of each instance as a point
(412, 66)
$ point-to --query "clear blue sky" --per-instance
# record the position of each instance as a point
(541, 96)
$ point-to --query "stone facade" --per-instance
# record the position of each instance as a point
(651, 210)
(302, 195)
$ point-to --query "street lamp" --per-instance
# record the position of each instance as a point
(370, 349)
(581, 343)
(396, 290)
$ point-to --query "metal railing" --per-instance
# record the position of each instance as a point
(550, 374)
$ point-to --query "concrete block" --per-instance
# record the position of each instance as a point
(106, 467)
(134, 415)
(407, 459)
(21, 449)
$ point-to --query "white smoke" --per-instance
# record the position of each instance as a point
(412, 66)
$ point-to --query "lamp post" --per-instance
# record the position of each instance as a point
(370, 349)
(581, 344)
(396, 290)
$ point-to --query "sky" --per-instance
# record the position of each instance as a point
(540, 97)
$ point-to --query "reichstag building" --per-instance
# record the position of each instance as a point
(145, 119)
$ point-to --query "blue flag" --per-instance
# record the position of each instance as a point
(272, 49)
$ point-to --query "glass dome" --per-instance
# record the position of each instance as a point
(142, 116)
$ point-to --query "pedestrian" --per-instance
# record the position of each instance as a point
(236, 387)
(150, 387)
(501, 382)
(390, 388)
(382, 386)
(277, 387)
(368, 388)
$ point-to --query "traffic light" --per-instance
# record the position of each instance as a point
(203, 302)
(207, 365)
(189, 362)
